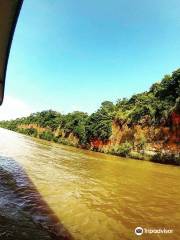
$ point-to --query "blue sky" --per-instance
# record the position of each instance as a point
(71, 55)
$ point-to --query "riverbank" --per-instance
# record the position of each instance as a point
(153, 156)
(144, 126)
(124, 150)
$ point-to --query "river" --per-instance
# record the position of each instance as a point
(92, 195)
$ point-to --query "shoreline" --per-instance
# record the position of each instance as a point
(155, 156)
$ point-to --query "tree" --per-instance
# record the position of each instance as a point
(98, 125)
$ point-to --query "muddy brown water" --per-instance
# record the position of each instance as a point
(81, 194)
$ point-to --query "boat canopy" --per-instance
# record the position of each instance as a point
(9, 12)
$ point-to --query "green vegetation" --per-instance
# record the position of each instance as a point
(151, 108)
(137, 155)
(47, 135)
(74, 123)
(98, 124)
(122, 150)
(166, 158)
(156, 105)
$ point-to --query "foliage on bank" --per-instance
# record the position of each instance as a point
(151, 108)
(166, 158)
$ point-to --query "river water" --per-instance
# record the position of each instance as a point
(90, 195)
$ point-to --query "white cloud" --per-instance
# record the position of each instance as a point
(13, 108)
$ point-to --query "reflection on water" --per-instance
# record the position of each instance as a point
(97, 196)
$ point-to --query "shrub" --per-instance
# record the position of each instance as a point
(122, 150)
(137, 155)
(28, 131)
(65, 141)
(166, 158)
(46, 135)
(55, 139)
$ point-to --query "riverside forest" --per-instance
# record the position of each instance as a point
(145, 126)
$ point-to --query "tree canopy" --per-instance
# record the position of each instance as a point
(155, 106)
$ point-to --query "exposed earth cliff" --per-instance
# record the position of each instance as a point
(146, 126)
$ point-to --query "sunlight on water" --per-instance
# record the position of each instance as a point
(98, 196)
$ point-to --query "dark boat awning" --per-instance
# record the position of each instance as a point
(9, 12)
